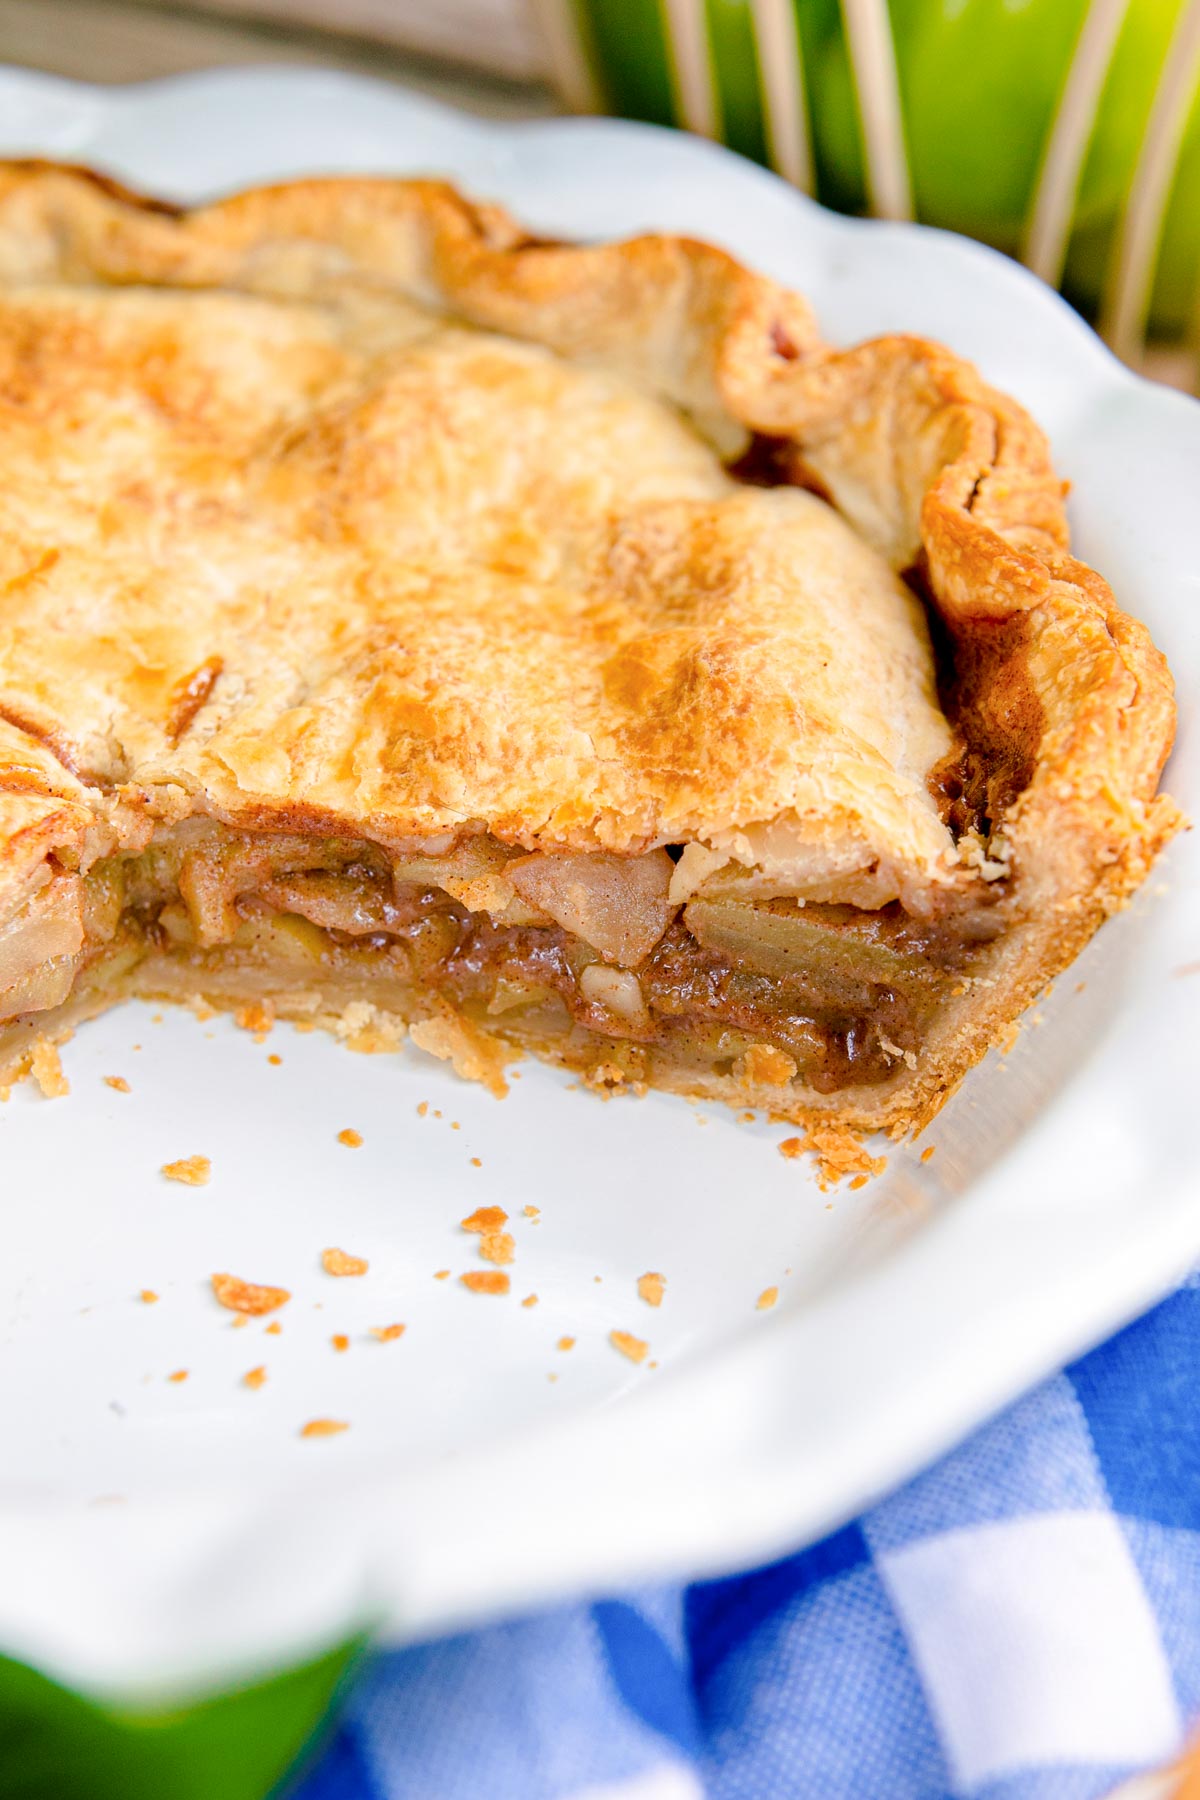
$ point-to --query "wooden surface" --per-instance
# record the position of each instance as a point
(502, 35)
(137, 40)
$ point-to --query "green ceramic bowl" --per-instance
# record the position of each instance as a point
(238, 1745)
(980, 83)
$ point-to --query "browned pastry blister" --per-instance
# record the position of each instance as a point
(405, 622)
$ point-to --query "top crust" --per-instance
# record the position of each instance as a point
(636, 657)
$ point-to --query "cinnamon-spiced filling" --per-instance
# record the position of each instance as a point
(775, 990)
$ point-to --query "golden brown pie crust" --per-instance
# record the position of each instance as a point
(1062, 705)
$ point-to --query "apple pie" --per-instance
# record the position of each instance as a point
(411, 624)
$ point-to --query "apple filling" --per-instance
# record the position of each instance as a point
(584, 958)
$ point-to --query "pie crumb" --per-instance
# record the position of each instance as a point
(530, 1300)
(179, 1375)
(46, 1069)
(476, 1162)
(423, 1109)
(634, 1348)
(248, 1296)
(272, 1330)
(531, 1212)
(340, 1262)
(192, 1171)
(927, 1153)
(257, 1016)
(497, 1246)
(766, 1300)
(565, 1343)
(117, 1082)
(320, 1428)
(239, 1322)
(351, 1138)
(254, 1378)
(274, 1060)
(441, 1275)
(485, 1219)
(837, 1153)
(651, 1286)
(387, 1334)
(340, 1341)
(860, 1181)
(486, 1281)
(148, 1295)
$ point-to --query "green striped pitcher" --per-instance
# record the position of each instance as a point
(1066, 132)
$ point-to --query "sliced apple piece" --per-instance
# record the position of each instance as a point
(285, 937)
(39, 948)
(824, 947)
(619, 905)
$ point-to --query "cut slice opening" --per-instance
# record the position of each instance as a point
(583, 959)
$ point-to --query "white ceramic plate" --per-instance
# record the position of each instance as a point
(161, 1536)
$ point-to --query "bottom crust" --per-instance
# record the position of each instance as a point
(369, 1018)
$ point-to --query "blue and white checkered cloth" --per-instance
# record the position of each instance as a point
(1021, 1622)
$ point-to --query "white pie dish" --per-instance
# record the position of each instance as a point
(1061, 1198)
